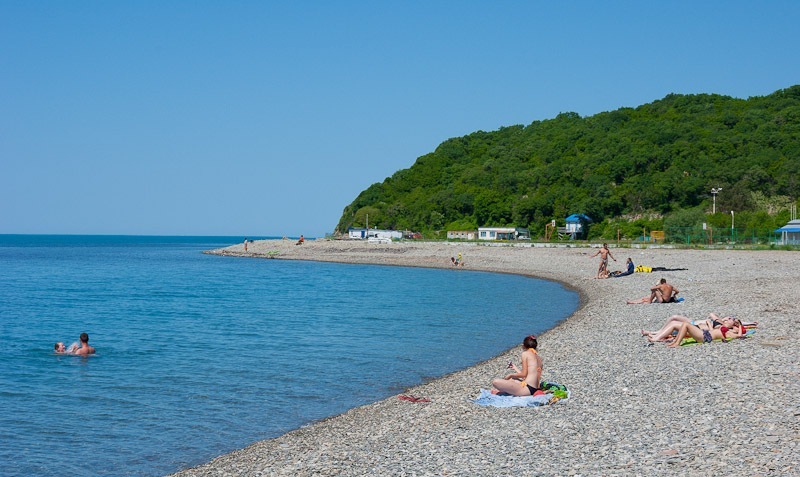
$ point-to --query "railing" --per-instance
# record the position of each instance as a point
(709, 235)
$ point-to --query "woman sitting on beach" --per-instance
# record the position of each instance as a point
(628, 270)
(525, 382)
(673, 324)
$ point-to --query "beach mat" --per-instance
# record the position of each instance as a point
(486, 398)
(691, 341)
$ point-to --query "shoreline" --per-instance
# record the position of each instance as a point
(703, 410)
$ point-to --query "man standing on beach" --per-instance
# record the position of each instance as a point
(85, 349)
(661, 293)
(604, 252)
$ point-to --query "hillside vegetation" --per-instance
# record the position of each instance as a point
(649, 166)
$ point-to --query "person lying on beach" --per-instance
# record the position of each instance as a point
(661, 293)
(674, 322)
(707, 336)
(525, 382)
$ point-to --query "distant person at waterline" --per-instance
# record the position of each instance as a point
(85, 349)
(302, 239)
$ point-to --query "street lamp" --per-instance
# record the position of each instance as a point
(714, 192)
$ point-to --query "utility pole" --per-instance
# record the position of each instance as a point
(714, 192)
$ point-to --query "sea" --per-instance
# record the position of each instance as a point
(199, 355)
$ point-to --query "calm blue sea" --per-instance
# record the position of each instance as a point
(198, 355)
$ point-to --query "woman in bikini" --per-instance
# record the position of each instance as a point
(674, 323)
(525, 382)
(707, 336)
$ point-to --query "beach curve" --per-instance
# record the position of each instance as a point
(635, 409)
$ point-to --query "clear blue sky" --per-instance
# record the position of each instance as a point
(256, 118)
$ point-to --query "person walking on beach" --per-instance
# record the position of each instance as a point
(661, 293)
(525, 382)
(85, 349)
(604, 252)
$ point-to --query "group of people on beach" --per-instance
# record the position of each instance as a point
(78, 349)
(526, 381)
(604, 272)
(678, 327)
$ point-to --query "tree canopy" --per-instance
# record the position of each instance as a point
(657, 159)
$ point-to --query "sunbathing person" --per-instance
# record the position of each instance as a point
(629, 271)
(525, 382)
(707, 336)
(661, 293)
(673, 324)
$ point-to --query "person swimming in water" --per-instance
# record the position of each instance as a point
(59, 348)
(85, 349)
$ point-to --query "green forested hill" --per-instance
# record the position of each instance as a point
(658, 160)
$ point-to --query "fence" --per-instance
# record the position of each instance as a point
(698, 235)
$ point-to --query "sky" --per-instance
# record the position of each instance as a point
(261, 118)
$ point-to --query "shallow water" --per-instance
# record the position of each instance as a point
(199, 355)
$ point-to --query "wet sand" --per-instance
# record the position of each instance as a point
(716, 409)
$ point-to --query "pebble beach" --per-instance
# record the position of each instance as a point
(635, 408)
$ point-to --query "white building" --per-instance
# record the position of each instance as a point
(503, 233)
(462, 234)
(362, 233)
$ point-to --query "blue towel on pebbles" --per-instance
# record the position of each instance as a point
(486, 398)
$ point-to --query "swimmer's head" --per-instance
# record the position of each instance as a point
(59, 347)
(84, 338)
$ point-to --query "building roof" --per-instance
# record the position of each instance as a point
(792, 226)
(502, 229)
(578, 218)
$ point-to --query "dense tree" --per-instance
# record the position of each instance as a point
(658, 160)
